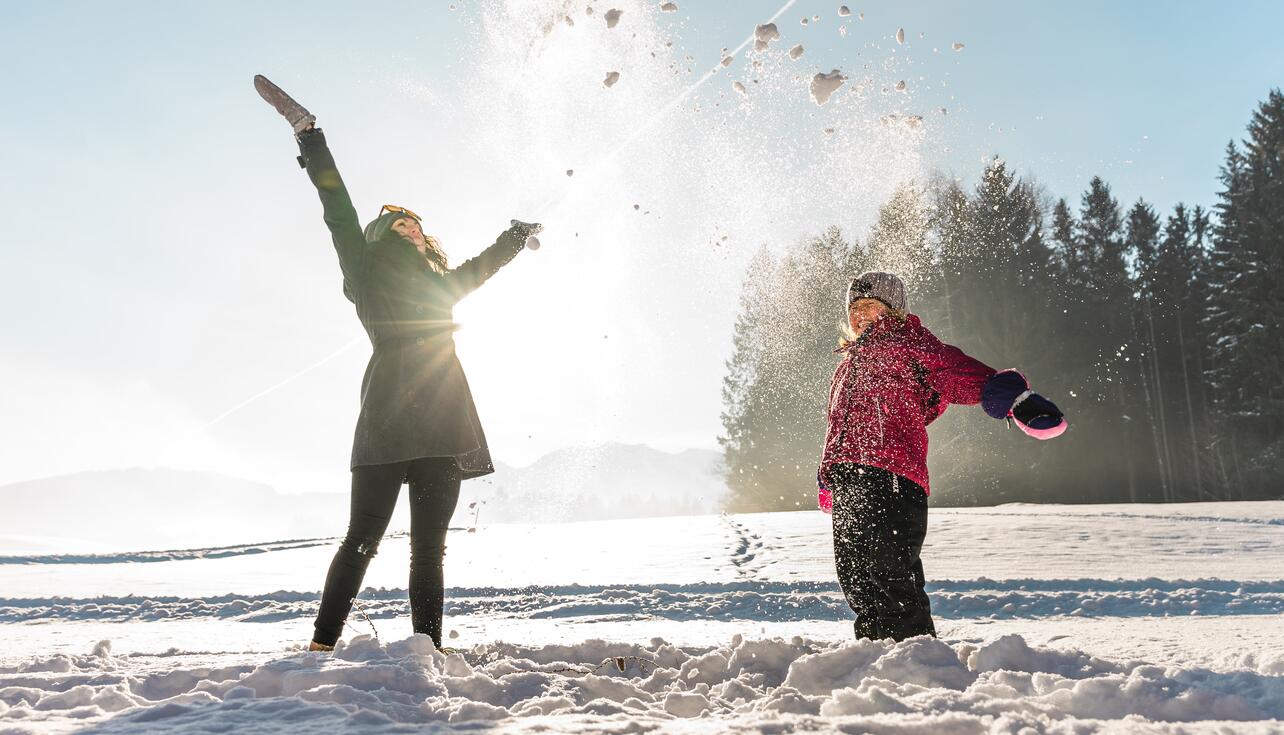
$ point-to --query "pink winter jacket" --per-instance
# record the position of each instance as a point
(892, 382)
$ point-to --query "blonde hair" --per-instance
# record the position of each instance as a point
(847, 336)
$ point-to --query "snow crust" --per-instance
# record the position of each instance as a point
(917, 686)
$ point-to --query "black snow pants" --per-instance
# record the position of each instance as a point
(880, 521)
(434, 492)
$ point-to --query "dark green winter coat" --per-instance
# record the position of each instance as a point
(415, 400)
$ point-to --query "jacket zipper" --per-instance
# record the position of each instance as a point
(878, 406)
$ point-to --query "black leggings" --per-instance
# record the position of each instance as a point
(880, 521)
(434, 491)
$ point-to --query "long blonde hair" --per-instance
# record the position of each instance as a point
(435, 254)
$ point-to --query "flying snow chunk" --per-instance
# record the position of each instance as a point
(763, 35)
(957, 46)
(669, 8)
(804, 21)
(570, 172)
(824, 85)
(740, 88)
(844, 11)
(613, 17)
(532, 243)
(726, 60)
(842, 31)
(796, 51)
(900, 86)
(900, 36)
(611, 78)
(637, 207)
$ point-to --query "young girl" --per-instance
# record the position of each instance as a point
(418, 424)
(894, 379)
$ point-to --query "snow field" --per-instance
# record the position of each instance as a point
(1052, 619)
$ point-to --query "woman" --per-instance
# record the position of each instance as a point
(894, 379)
(418, 424)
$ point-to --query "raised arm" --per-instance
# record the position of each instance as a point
(340, 215)
(473, 272)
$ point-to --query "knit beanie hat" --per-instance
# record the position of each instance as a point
(885, 287)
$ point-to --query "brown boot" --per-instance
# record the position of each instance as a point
(314, 646)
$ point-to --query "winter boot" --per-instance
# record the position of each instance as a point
(314, 646)
(294, 113)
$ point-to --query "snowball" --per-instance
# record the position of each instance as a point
(613, 17)
(611, 78)
(532, 243)
(669, 8)
(763, 35)
(824, 85)
(957, 46)
(900, 35)
(844, 11)
(740, 88)
(796, 51)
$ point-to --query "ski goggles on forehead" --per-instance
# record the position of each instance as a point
(399, 210)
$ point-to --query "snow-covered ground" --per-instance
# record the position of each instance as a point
(1120, 618)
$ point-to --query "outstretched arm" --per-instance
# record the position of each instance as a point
(473, 272)
(956, 376)
(340, 215)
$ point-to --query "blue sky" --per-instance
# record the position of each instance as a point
(165, 259)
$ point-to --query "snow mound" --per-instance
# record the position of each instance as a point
(915, 686)
(824, 85)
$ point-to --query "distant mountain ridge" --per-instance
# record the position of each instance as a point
(161, 508)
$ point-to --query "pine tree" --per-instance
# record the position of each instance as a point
(1245, 306)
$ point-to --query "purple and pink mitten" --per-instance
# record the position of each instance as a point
(824, 496)
(1007, 394)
